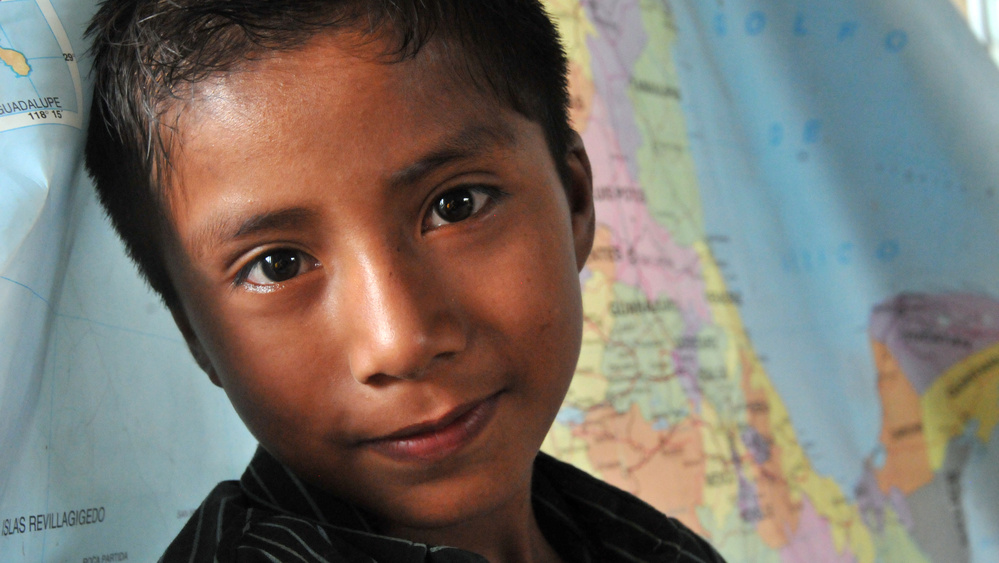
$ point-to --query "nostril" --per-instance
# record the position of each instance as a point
(445, 355)
(377, 380)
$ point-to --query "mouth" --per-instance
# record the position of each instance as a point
(437, 439)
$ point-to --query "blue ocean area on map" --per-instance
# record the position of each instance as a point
(570, 415)
(853, 160)
(24, 29)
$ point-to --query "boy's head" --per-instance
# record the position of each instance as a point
(151, 55)
(369, 234)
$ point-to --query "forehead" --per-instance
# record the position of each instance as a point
(339, 74)
(332, 89)
(329, 114)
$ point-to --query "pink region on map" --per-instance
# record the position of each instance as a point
(928, 334)
(811, 539)
(647, 256)
(614, 50)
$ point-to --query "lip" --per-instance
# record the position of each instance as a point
(437, 439)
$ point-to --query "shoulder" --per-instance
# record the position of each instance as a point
(229, 527)
(619, 522)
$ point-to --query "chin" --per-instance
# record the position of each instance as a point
(457, 501)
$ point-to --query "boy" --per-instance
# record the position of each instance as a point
(367, 218)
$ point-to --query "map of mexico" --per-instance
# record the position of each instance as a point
(673, 400)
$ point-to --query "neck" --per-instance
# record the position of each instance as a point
(508, 534)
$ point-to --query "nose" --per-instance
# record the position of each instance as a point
(402, 319)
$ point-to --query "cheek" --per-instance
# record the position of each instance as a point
(531, 293)
(267, 339)
(267, 367)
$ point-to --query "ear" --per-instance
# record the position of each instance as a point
(580, 193)
(193, 344)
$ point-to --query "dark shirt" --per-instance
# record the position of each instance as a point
(271, 515)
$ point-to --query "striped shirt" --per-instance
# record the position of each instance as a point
(270, 515)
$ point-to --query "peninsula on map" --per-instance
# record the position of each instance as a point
(15, 60)
(937, 357)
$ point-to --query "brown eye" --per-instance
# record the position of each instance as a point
(455, 205)
(278, 266)
(459, 204)
(281, 265)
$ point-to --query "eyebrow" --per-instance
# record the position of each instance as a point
(225, 229)
(473, 140)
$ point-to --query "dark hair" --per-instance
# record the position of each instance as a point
(148, 53)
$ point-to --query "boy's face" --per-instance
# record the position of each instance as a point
(379, 266)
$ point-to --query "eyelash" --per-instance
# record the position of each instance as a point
(303, 259)
(491, 193)
(242, 279)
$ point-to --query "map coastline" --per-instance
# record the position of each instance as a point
(47, 106)
(15, 61)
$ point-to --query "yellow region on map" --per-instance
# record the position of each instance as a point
(574, 28)
(768, 415)
(589, 387)
(16, 61)
(570, 448)
(968, 391)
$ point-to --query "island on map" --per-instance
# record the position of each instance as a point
(16, 61)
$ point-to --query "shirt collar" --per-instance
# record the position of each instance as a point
(269, 483)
